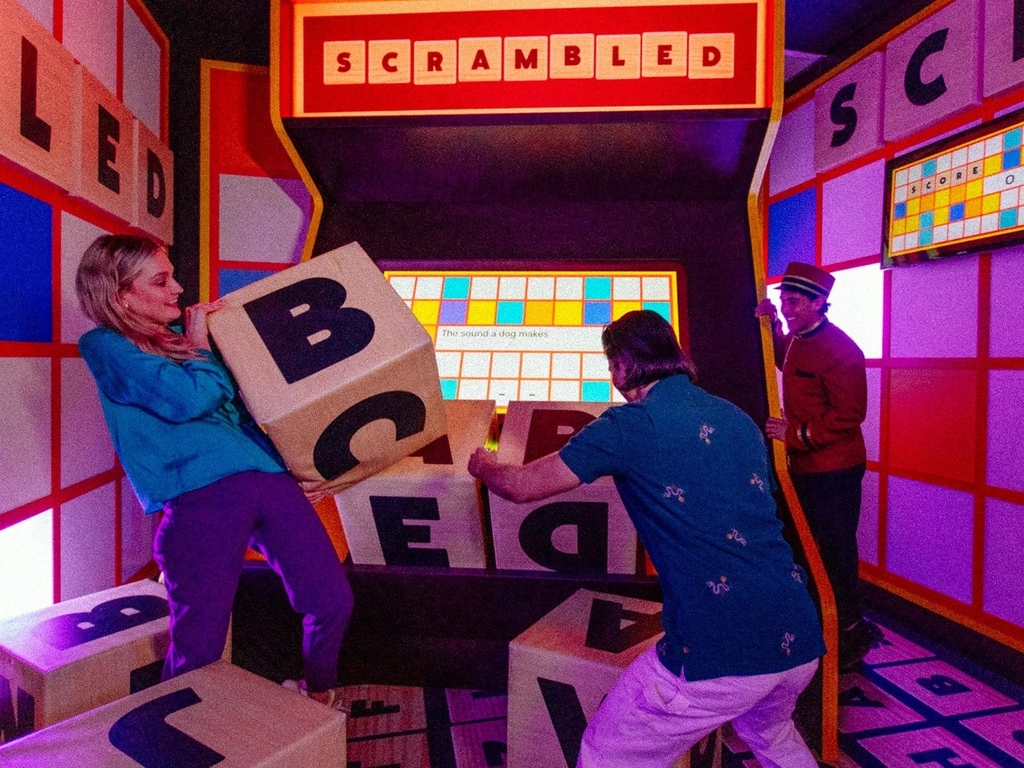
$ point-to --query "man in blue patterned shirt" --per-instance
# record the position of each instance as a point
(742, 636)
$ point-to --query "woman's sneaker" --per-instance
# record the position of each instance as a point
(329, 698)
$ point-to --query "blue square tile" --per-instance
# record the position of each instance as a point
(596, 392)
(510, 313)
(1011, 159)
(26, 267)
(232, 279)
(792, 231)
(925, 237)
(453, 313)
(597, 312)
(455, 288)
(956, 212)
(899, 211)
(661, 307)
(1008, 218)
(597, 288)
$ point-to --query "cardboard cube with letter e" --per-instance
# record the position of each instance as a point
(334, 366)
(561, 668)
(387, 726)
(219, 714)
(60, 661)
(585, 530)
(424, 510)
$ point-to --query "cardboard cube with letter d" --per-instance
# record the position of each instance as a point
(219, 714)
(561, 668)
(424, 510)
(60, 661)
(334, 366)
(585, 530)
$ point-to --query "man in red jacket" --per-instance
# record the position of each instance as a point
(824, 403)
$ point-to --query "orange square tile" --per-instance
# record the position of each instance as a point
(972, 208)
(957, 194)
(539, 313)
(927, 202)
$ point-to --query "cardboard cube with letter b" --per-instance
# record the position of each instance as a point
(585, 530)
(219, 714)
(334, 366)
(561, 668)
(60, 661)
(424, 510)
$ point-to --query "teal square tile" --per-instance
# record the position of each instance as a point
(455, 288)
(596, 391)
(510, 313)
(597, 288)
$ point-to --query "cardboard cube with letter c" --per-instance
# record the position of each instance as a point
(428, 500)
(539, 535)
(219, 714)
(561, 668)
(60, 661)
(334, 366)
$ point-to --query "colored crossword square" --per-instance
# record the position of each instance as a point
(449, 388)
(426, 311)
(619, 308)
(927, 220)
(661, 307)
(900, 211)
(928, 168)
(482, 312)
(956, 212)
(928, 202)
(1012, 139)
(456, 288)
(941, 216)
(597, 288)
(941, 198)
(596, 391)
(568, 313)
(914, 206)
(899, 227)
(990, 203)
(913, 223)
(958, 193)
(597, 312)
(992, 165)
(975, 188)
(510, 313)
(1008, 218)
(453, 312)
(1011, 159)
(972, 207)
(539, 312)
(925, 238)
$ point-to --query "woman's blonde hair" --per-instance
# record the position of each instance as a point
(108, 268)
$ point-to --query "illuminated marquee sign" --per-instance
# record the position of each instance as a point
(377, 58)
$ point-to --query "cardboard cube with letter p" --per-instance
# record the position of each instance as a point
(424, 510)
(561, 668)
(585, 530)
(334, 366)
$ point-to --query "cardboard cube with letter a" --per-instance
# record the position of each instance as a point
(60, 661)
(334, 366)
(585, 530)
(561, 668)
(424, 510)
(219, 714)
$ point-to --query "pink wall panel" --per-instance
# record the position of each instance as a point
(949, 42)
(141, 68)
(856, 301)
(867, 530)
(872, 426)
(932, 422)
(855, 98)
(87, 543)
(1006, 319)
(1001, 71)
(75, 236)
(42, 10)
(1004, 578)
(935, 309)
(90, 33)
(851, 214)
(137, 531)
(1006, 430)
(86, 449)
(929, 536)
(792, 159)
(263, 219)
(25, 426)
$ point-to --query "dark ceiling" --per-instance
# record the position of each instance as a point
(837, 29)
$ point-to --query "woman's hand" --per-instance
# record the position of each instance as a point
(196, 330)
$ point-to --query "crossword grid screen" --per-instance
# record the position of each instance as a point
(962, 196)
(528, 335)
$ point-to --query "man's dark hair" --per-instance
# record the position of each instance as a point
(646, 348)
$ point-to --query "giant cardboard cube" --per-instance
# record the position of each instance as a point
(561, 668)
(424, 510)
(585, 530)
(334, 366)
(77, 655)
(219, 714)
(387, 726)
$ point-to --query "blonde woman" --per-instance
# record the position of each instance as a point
(190, 448)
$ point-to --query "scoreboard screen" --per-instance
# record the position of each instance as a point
(957, 195)
(529, 334)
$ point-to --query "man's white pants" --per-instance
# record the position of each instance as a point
(651, 717)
